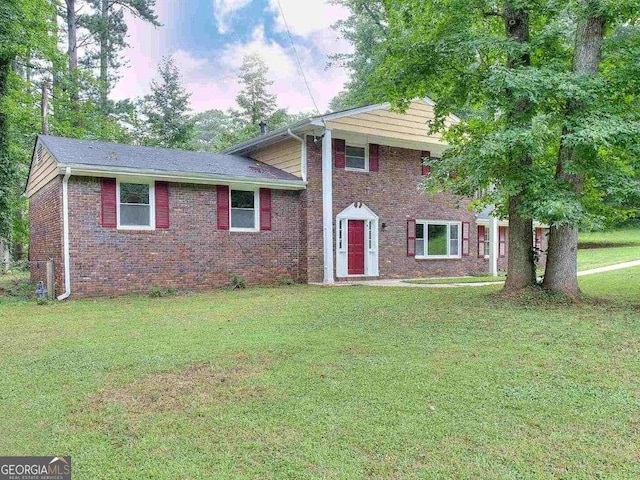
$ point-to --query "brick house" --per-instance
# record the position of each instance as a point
(330, 198)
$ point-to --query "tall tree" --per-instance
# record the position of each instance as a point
(255, 102)
(23, 28)
(597, 114)
(475, 59)
(109, 27)
(167, 109)
(366, 30)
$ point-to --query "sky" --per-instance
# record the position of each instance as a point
(208, 39)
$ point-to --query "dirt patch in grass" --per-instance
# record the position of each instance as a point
(189, 390)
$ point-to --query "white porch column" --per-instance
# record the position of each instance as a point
(327, 206)
(494, 244)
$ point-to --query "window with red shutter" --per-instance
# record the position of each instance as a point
(223, 207)
(465, 239)
(339, 153)
(265, 209)
(481, 239)
(502, 239)
(162, 204)
(411, 237)
(109, 204)
(374, 157)
(426, 156)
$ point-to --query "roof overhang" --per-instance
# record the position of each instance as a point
(182, 177)
(311, 125)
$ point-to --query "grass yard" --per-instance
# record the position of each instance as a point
(311, 382)
(599, 249)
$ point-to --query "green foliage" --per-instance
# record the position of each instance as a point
(237, 283)
(255, 102)
(166, 110)
(457, 53)
(158, 292)
(366, 30)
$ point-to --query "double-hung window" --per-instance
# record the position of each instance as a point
(438, 239)
(135, 205)
(356, 158)
(244, 210)
(487, 242)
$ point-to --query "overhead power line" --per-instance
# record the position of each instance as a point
(295, 52)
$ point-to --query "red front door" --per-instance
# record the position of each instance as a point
(355, 243)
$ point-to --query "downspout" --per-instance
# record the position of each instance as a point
(65, 226)
(303, 154)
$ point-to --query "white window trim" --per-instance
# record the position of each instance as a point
(366, 158)
(152, 204)
(256, 208)
(426, 223)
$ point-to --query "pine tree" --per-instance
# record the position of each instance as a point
(255, 102)
(167, 109)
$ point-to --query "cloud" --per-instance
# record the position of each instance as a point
(307, 17)
(212, 77)
(148, 45)
(223, 10)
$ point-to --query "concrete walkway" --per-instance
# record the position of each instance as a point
(403, 283)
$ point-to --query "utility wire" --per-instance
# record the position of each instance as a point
(304, 77)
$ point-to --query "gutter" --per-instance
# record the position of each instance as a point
(65, 217)
(303, 154)
(105, 171)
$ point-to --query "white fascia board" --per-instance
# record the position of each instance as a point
(182, 177)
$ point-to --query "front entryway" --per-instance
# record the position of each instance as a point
(355, 247)
(357, 242)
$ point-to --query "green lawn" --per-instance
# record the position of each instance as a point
(608, 248)
(312, 382)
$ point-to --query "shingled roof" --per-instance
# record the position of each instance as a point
(91, 153)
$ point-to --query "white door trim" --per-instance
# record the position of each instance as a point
(357, 211)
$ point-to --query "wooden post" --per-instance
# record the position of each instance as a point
(51, 286)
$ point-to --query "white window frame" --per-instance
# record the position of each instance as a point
(448, 224)
(256, 208)
(366, 158)
(152, 204)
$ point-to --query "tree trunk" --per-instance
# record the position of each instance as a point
(104, 56)
(561, 274)
(521, 267)
(6, 169)
(72, 34)
(54, 22)
(521, 272)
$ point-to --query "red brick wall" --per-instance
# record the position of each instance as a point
(392, 193)
(190, 255)
(45, 227)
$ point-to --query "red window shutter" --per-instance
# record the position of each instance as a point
(223, 207)
(411, 237)
(426, 156)
(162, 205)
(265, 209)
(339, 153)
(465, 239)
(374, 157)
(502, 236)
(481, 239)
(109, 205)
